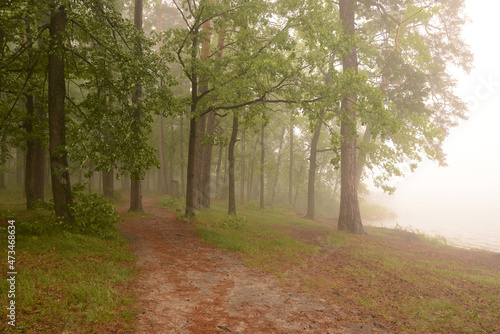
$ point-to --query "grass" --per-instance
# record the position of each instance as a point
(66, 283)
(407, 280)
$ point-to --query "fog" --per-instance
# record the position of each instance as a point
(462, 201)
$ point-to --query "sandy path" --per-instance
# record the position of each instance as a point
(187, 286)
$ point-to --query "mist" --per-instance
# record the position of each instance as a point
(461, 202)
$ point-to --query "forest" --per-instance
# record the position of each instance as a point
(283, 105)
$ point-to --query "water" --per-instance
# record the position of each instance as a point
(464, 222)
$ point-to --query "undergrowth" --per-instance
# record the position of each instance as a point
(71, 278)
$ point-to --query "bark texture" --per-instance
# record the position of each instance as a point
(232, 143)
(349, 216)
(135, 185)
(61, 187)
(311, 211)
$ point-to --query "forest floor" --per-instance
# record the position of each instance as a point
(188, 286)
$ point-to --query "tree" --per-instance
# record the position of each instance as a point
(255, 69)
(61, 186)
(232, 142)
(312, 167)
(135, 186)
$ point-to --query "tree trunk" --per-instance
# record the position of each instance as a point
(217, 173)
(30, 153)
(242, 173)
(39, 160)
(19, 166)
(349, 216)
(290, 171)
(161, 145)
(161, 155)
(198, 172)
(232, 142)
(192, 150)
(135, 185)
(108, 180)
(202, 157)
(207, 162)
(61, 187)
(250, 179)
(311, 182)
(181, 143)
(278, 165)
(262, 160)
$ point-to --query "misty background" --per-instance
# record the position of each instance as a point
(461, 202)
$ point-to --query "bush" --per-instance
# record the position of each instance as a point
(94, 214)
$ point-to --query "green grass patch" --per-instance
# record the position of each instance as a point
(66, 282)
(261, 236)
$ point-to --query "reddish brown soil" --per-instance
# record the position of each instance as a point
(187, 286)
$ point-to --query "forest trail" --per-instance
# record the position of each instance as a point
(187, 286)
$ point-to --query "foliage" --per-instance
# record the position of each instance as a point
(94, 214)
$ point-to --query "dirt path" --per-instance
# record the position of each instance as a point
(187, 286)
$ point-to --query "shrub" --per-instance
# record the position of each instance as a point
(94, 214)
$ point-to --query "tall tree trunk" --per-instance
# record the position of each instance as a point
(192, 150)
(242, 173)
(232, 142)
(198, 172)
(202, 156)
(161, 144)
(349, 216)
(30, 152)
(161, 155)
(181, 144)
(135, 183)
(262, 161)
(39, 159)
(278, 165)
(19, 166)
(217, 172)
(172, 188)
(311, 182)
(108, 182)
(290, 170)
(207, 162)
(252, 163)
(61, 186)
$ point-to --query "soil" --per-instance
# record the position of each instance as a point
(187, 286)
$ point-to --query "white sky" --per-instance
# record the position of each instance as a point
(473, 148)
(462, 201)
